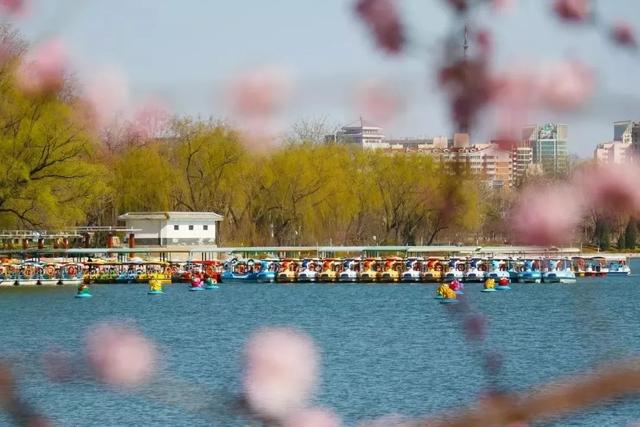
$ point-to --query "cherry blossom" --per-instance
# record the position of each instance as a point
(378, 101)
(567, 85)
(260, 92)
(572, 10)
(14, 7)
(547, 214)
(503, 5)
(612, 188)
(623, 34)
(120, 355)
(382, 19)
(42, 69)
(280, 372)
(150, 120)
(107, 93)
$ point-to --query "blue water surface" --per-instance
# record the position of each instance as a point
(385, 348)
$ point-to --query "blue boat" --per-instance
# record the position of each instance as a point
(619, 267)
(83, 295)
(488, 290)
(530, 272)
(558, 271)
(196, 288)
(448, 301)
(498, 270)
(268, 268)
(237, 270)
(155, 293)
(503, 288)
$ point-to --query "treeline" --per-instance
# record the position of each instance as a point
(58, 171)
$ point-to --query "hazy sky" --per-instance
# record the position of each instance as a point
(187, 51)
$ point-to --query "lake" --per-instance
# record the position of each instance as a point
(385, 348)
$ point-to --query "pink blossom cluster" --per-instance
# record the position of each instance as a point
(42, 69)
(281, 369)
(119, 355)
(548, 214)
(256, 98)
(384, 23)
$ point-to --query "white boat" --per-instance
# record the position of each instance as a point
(619, 267)
(455, 270)
(70, 274)
(597, 266)
(476, 271)
(559, 272)
(351, 267)
(309, 270)
(47, 275)
(413, 267)
(7, 275)
(498, 269)
(27, 275)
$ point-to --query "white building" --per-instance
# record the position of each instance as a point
(364, 136)
(612, 152)
(173, 228)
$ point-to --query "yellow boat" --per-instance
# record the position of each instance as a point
(370, 271)
(392, 270)
(331, 268)
(288, 270)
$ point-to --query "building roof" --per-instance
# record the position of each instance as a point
(171, 215)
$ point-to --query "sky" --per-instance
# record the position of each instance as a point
(187, 52)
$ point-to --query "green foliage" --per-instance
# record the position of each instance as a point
(631, 234)
(603, 234)
(48, 178)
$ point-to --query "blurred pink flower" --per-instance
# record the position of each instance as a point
(120, 355)
(14, 7)
(43, 67)
(567, 85)
(280, 372)
(382, 19)
(314, 417)
(458, 5)
(150, 120)
(623, 34)
(612, 188)
(107, 93)
(378, 101)
(515, 95)
(484, 41)
(547, 214)
(260, 92)
(572, 10)
(503, 5)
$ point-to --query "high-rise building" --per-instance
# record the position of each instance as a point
(522, 157)
(612, 152)
(628, 132)
(548, 144)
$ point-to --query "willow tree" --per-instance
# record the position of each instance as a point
(47, 178)
(144, 180)
(206, 156)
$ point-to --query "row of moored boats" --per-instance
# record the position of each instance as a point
(384, 270)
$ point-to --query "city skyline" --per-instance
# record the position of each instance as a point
(191, 69)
